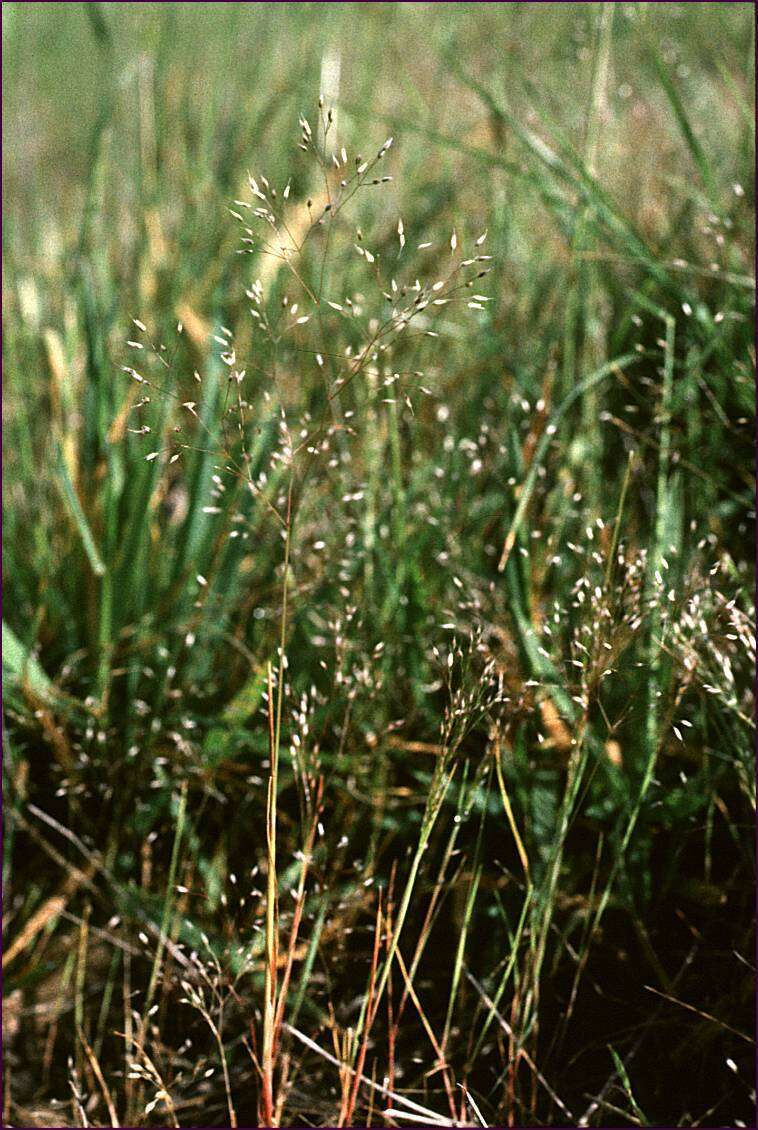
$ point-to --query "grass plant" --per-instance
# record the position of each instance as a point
(378, 643)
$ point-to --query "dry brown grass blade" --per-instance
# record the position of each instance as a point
(559, 735)
(55, 734)
(704, 1015)
(60, 381)
(297, 228)
(50, 909)
(117, 430)
(442, 1064)
(346, 1116)
(433, 748)
(295, 952)
(197, 329)
(97, 1072)
(521, 1051)
(436, 1119)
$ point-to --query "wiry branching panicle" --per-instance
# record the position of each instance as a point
(274, 442)
(311, 313)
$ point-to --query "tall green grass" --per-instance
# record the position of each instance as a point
(443, 802)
